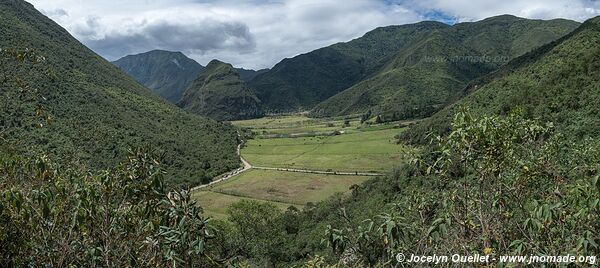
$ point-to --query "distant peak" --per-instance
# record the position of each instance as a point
(215, 61)
(218, 64)
(157, 52)
(504, 17)
(162, 51)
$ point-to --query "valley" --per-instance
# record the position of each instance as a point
(410, 138)
(297, 160)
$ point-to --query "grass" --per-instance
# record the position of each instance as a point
(297, 124)
(360, 148)
(286, 187)
(216, 204)
(373, 150)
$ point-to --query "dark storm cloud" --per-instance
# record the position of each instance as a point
(194, 38)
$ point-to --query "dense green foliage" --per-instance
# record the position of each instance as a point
(558, 82)
(431, 72)
(519, 175)
(221, 94)
(91, 110)
(167, 73)
(62, 216)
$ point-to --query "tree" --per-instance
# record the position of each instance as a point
(66, 215)
(261, 229)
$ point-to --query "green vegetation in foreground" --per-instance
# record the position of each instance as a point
(286, 187)
(216, 204)
(363, 151)
(93, 111)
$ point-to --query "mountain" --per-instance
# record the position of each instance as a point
(302, 82)
(559, 82)
(93, 111)
(431, 72)
(408, 71)
(221, 94)
(167, 73)
(247, 74)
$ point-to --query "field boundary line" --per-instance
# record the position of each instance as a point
(344, 173)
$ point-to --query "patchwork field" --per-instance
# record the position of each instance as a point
(335, 145)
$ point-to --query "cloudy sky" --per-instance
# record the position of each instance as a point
(259, 33)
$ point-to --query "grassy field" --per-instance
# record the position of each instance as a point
(373, 150)
(287, 187)
(215, 204)
(297, 124)
(356, 148)
(283, 189)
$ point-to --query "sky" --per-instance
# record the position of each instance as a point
(257, 34)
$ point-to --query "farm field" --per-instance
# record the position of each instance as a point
(286, 187)
(335, 145)
(297, 125)
(367, 151)
(215, 204)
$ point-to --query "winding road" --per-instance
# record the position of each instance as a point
(230, 174)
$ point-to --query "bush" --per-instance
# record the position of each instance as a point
(65, 216)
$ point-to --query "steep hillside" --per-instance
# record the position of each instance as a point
(221, 94)
(94, 111)
(429, 74)
(301, 82)
(559, 82)
(167, 73)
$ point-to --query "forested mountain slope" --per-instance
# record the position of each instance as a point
(431, 73)
(559, 82)
(92, 111)
(221, 94)
(301, 82)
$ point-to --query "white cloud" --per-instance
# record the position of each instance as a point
(259, 33)
(469, 10)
